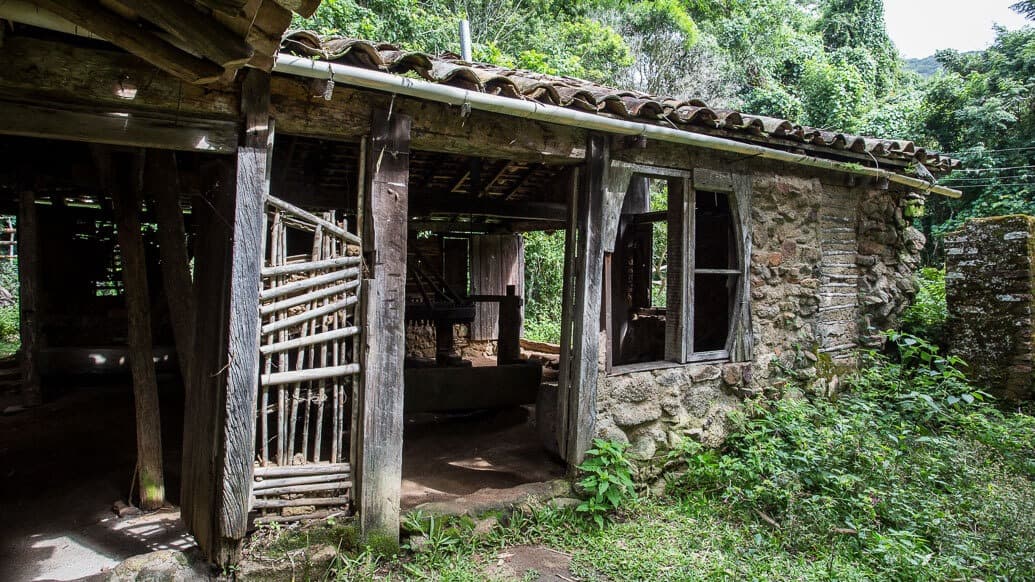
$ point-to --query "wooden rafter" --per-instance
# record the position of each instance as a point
(203, 34)
(117, 30)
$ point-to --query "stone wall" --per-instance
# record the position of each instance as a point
(832, 265)
(989, 282)
(420, 342)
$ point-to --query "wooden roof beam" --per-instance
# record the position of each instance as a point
(487, 207)
(119, 31)
(200, 32)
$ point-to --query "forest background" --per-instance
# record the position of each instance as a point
(825, 63)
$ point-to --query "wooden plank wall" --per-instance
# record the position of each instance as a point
(497, 260)
(379, 468)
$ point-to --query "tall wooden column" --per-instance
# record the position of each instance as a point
(379, 470)
(581, 330)
(219, 425)
(161, 181)
(28, 297)
(122, 174)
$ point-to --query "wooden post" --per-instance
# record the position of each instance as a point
(219, 427)
(28, 297)
(578, 380)
(161, 181)
(508, 347)
(122, 174)
(381, 405)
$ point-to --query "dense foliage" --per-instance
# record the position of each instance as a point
(911, 472)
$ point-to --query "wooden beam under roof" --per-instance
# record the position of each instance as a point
(101, 79)
(205, 35)
(99, 20)
(488, 208)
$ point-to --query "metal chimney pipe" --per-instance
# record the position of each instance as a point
(465, 40)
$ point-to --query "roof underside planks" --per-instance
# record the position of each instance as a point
(200, 41)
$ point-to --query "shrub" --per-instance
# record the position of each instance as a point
(906, 470)
(926, 316)
(608, 482)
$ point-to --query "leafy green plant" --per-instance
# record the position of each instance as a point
(927, 314)
(895, 470)
(608, 482)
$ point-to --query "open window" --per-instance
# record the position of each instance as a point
(675, 285)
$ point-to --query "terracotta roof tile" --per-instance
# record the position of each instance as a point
(686, 114)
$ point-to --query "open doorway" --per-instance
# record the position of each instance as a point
(72, 455)
(480, 397)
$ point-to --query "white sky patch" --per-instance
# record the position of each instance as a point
(921, 27)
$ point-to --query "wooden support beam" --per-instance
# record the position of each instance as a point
(381, 401)
(253, 182)
(202, 33)
(28, 297)
(219, 428)
(581, 345)
(93, 16)
(487, 207)
(230, 7)
(508, 346)
(128, 128)
(161, 182)
(37, 69)
(121, 173)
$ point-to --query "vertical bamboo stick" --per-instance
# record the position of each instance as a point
(264, 434)
(282, 365)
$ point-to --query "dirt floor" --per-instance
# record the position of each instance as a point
(448, 456)
(62, 466)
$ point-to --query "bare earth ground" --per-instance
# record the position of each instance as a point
(448, 456)
(62, 465)
(530, 563)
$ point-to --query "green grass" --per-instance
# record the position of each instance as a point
(910, 474)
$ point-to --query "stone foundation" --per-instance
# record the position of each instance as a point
(989, 281)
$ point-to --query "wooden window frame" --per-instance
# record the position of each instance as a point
(679, 330)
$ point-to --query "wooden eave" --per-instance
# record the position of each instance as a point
(199, 41)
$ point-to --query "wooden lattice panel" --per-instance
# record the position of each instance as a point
(309, 360)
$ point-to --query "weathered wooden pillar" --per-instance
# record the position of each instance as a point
(161, 181)
(379, 470)
(122, 174)
(219, 425)
(508, 345)
(28, 297)
(581, 335)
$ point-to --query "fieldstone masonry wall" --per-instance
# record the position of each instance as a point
(989, 282)
(832, 265)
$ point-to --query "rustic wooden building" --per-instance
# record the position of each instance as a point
(339, 194)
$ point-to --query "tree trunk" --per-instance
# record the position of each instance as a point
(161, 181)
(124, 183)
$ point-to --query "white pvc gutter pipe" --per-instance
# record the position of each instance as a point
(365, 78)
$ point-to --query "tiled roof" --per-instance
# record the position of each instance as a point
(689, 115)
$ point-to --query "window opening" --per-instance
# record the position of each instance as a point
(675, 273)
